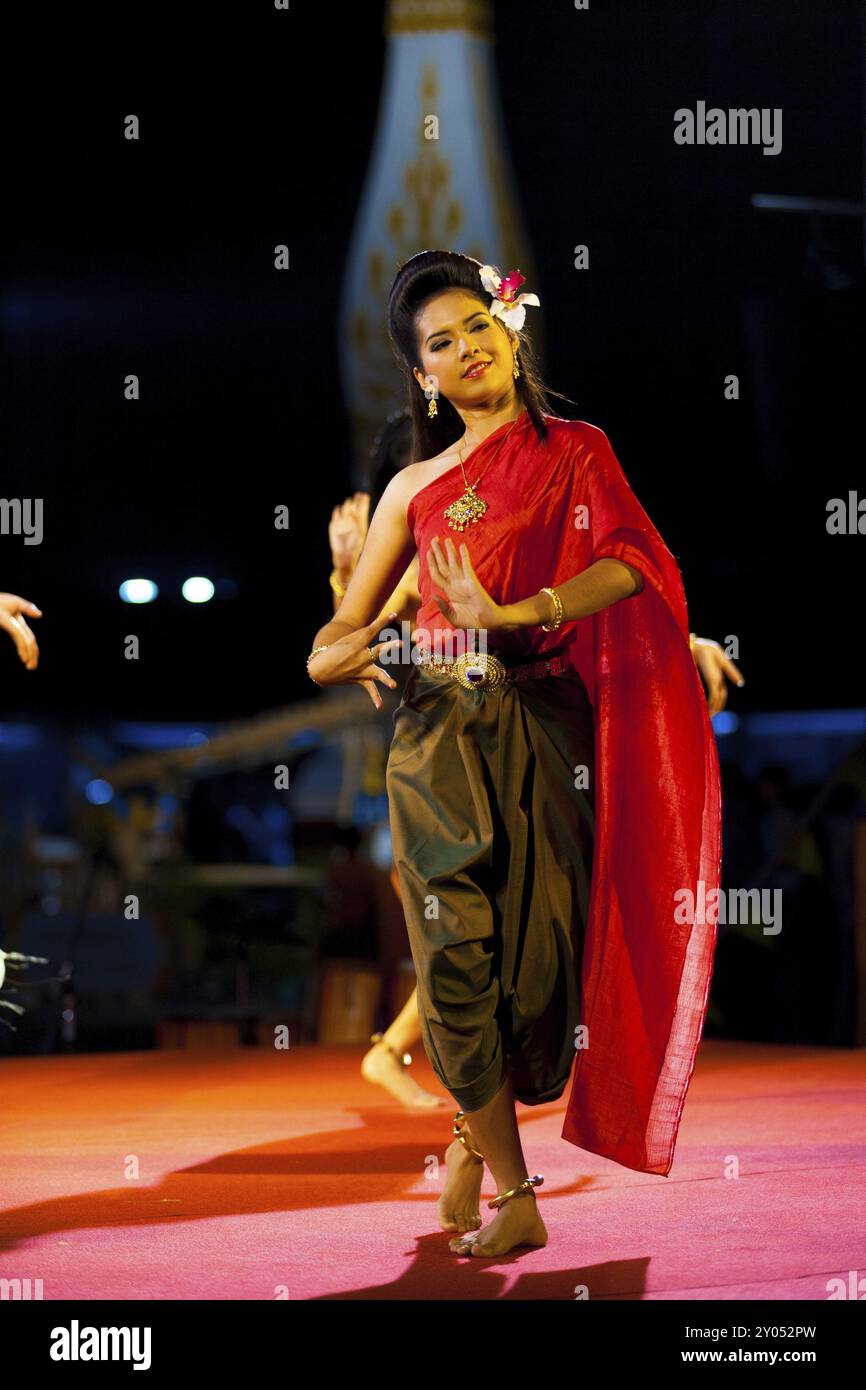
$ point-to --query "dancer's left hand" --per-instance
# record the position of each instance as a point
(12, 610)
(468, 604)
(714, 665)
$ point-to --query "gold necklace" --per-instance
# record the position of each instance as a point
(470, 507)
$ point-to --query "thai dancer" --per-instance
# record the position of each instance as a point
(553, 780)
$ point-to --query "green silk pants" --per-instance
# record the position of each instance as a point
(492, 824)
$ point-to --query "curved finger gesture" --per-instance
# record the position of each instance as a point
(351, 659)
(714, 664)
(12, 610)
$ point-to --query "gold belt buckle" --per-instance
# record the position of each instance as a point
(479, 669)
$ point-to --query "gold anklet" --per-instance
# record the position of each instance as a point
(458, 1130)
(519, 1191)
(403, 1057)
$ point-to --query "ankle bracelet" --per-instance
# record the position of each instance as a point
(458, 1131)
(520, 1190)
(403, 1057)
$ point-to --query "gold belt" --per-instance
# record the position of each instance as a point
(484, 670)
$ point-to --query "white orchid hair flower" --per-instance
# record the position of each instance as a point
(508, 305)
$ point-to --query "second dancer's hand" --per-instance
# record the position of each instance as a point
(714, 665)
(12, 620)
(468, 604)
(352, 660)
(347, 531)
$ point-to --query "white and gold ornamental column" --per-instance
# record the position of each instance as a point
(439, 178)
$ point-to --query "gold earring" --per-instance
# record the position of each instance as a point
(432, 408)
(515, 371)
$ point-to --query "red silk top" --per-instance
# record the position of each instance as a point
(553, 510)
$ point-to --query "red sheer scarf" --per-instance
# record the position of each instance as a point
(555, 508)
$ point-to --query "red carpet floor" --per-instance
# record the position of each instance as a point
(254, 1175)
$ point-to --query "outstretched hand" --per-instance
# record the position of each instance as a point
(12, 610)
(468, 604)
(352, 660)
(714, 665)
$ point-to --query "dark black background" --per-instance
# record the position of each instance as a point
(156, 257)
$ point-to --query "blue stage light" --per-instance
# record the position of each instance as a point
(138, 591)
(726, 722)
(99, 792)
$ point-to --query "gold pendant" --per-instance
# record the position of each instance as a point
(466, 510)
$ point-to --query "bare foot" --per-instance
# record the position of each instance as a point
(457, 1208)
(518, 1222)
(382, 1068)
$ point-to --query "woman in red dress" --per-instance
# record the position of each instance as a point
(553, 781)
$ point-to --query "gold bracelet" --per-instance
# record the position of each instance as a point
(557, 604)
(323, 648)
(339, 589)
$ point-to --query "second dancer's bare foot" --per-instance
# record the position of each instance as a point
(518, 1222)
(458, 1208)
(382, 1068)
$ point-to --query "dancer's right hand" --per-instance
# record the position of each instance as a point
(347, 660)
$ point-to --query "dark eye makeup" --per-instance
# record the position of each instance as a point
(482, 323)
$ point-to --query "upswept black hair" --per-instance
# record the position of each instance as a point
(417, 280)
